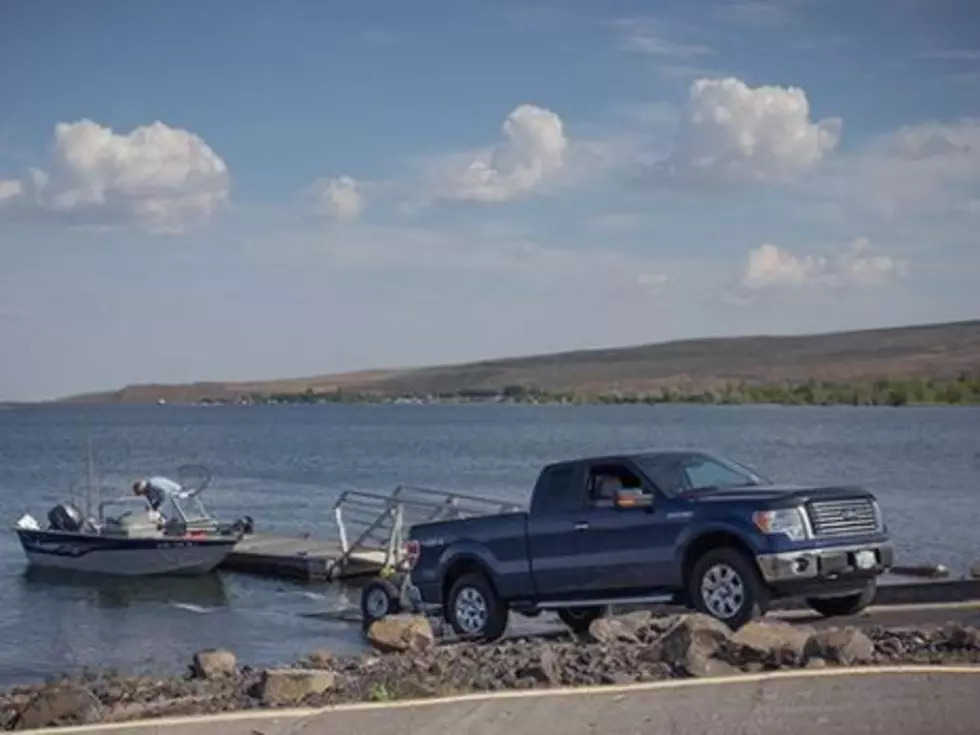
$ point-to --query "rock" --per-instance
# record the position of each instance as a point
(213, 663)
(160, 708)
(60, 705)
(397, 633)
(693, 632)
(772, 642)
(291, 686)
(618, 678)
(319, 660)
(544, 671)
(846, 646)
(962, 637)
(702, 666)
(816, 663)
(621, 628)
(412, 689)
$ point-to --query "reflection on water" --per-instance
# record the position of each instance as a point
(199, 592)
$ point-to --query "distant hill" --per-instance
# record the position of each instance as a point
(938, 351)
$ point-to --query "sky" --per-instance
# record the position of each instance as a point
(242, 189)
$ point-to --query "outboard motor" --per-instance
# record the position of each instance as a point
(66, 517)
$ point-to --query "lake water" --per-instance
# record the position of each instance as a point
(284, 465)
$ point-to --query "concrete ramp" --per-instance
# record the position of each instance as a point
(862, 701)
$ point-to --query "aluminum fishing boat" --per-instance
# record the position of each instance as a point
(167, 531)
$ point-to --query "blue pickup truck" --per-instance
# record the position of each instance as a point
(682, 527)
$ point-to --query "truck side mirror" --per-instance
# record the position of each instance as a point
(632, 498)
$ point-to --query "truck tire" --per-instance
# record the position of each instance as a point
(379, 599)
(474, 610)
(831, 607)
(580, 618)
(726, 585)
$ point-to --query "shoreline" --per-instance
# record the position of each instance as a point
(408, 663)
(56, 404)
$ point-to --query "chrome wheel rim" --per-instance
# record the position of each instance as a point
(723, 591)
(377, 603)
(471, 610)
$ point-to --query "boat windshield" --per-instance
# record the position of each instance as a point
(192, 509)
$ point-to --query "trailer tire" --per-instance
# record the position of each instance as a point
(474, 609)
(379, 599)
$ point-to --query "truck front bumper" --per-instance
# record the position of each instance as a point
(830, 566)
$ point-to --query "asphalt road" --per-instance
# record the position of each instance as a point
(842, 702)
(899, 616)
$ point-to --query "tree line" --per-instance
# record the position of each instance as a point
(963, 390)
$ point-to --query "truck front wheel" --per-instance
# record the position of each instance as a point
(831, 607)
(474, 609)
(725, 584)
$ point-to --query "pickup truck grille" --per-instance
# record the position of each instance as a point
(852, 517)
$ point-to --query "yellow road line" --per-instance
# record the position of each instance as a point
(603, 690)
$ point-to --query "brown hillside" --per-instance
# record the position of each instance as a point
(935, 350)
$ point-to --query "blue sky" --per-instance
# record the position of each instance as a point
(242, 189)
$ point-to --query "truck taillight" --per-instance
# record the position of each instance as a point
(411, 551)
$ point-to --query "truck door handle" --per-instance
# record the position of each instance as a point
(583, 526)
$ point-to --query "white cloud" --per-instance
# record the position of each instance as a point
(341, 198)
(650, 36)
(755, 13)
(615, 223)
(532, 152)
(733, 133)
(160, 177)
(10, 190)
(919, 169)
(499, 257)
(769, 266)
(953, 54)
(653, 281)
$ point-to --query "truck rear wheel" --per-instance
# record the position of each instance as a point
(852, 604)
(580, 618)
(726, 585)
(474, 609)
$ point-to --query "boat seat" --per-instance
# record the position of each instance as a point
(136, 525)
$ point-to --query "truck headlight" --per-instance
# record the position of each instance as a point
(879, 518)
(787, 521)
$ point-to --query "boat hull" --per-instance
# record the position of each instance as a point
(130, 557)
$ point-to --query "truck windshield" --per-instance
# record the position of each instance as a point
(677, 473)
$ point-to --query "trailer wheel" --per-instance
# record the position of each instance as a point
(379, 599)
(474, 609)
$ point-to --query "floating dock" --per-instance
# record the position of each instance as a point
(308, 560)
